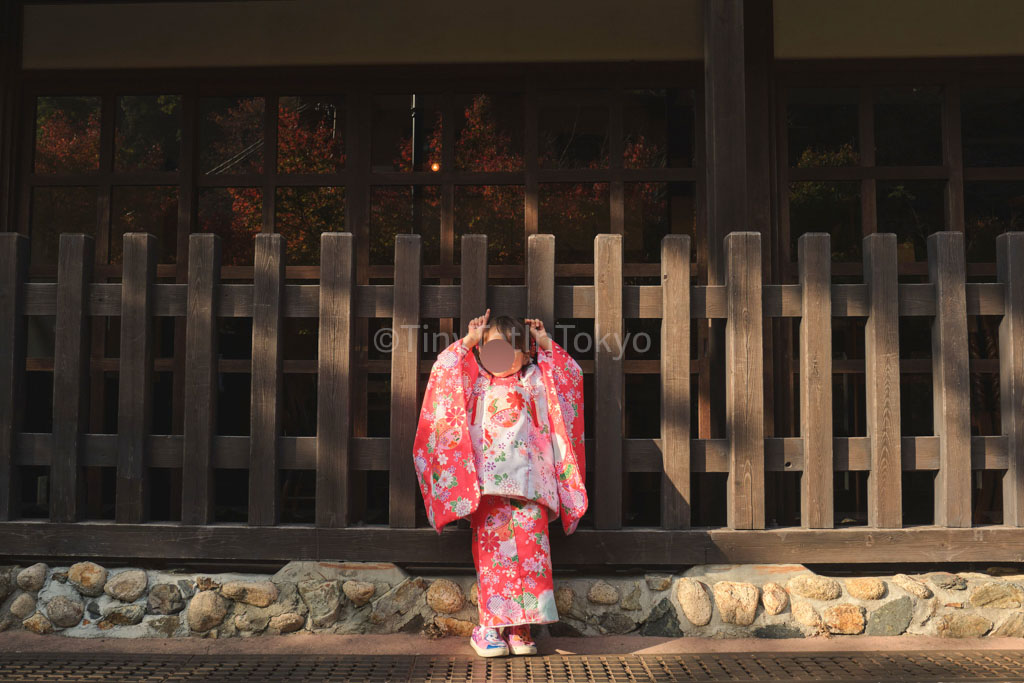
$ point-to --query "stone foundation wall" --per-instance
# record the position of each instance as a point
(722, 601)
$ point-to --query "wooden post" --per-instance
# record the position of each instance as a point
(135, 386)
(744, 390)
(882, 381)
(540, 280)
(1010, 270)
(675, 381)
(70, 375)
(816, 481)
(267, 380)
(951, 379)
(334, 387)
(608, 387)
(473, 282)
(404, 375)
(200, 409)
(13, 273)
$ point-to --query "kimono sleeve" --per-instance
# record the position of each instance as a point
(442, 449)
(563, 382)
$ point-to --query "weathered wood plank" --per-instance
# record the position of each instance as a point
(267, 381)
(70, 375)
(334, 379)
(473, 283)
(675, 382)
(951, 379)
(13, 272)
(1010, 273)
(817, 481)
(134, 405)
(744, 399)
(882, 381)
(200, 405)
(608, 382)
(540, 279)
(404, 375)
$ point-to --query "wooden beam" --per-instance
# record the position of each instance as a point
(540, 279)
(404, 380)
(135, 386)
(473, 283)
(14, 257)
(267, 381)
(1010, 268)
(675, 382)
(818, 478)
(200, 404)
(951, 388)
(70, 375)
(882, 381)
(608, 384)
(334, 379)
(744, 391)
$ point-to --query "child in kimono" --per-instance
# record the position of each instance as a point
(502, 444)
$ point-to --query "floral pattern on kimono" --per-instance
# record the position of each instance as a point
(542, 405)
(512, 556)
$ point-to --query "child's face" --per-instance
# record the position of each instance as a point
(520, 357)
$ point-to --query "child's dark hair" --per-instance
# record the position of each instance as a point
(513, 331)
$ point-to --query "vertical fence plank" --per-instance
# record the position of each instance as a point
(473, 282)
(608, 383)
(744, 391)
(1010, 270)
(134, 405)
(267, 380)
(816, 495)
(951, 398)
(540, 280)
(13, 273)
(882, 381)
(404, 375)
(334, 383)
(200, 410)
(70, 375)
(675, 382)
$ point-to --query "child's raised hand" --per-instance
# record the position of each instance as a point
(477, 326)
(538, 333)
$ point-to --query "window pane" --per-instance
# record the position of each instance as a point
(494, 210)
(236, 214)
(913, 210)
(231, 135)
(148, 135)
(993, 134)
(654, 210)
(822, 124)
(827, 207)
(908, 126)
(145, 209)
(310, 134)
(398, 210)
(573, 133)
(406, 133)
(489, 132)
(575, 214)
(302, 214)
(67, 134)
(658, 127)
(990, 210)
(56, 210)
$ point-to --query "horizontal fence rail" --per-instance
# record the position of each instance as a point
(744, 301)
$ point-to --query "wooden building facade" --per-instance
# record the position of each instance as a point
(782, 237)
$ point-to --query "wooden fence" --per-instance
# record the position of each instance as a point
(745, 454)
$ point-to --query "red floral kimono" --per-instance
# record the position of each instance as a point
(508, 454)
